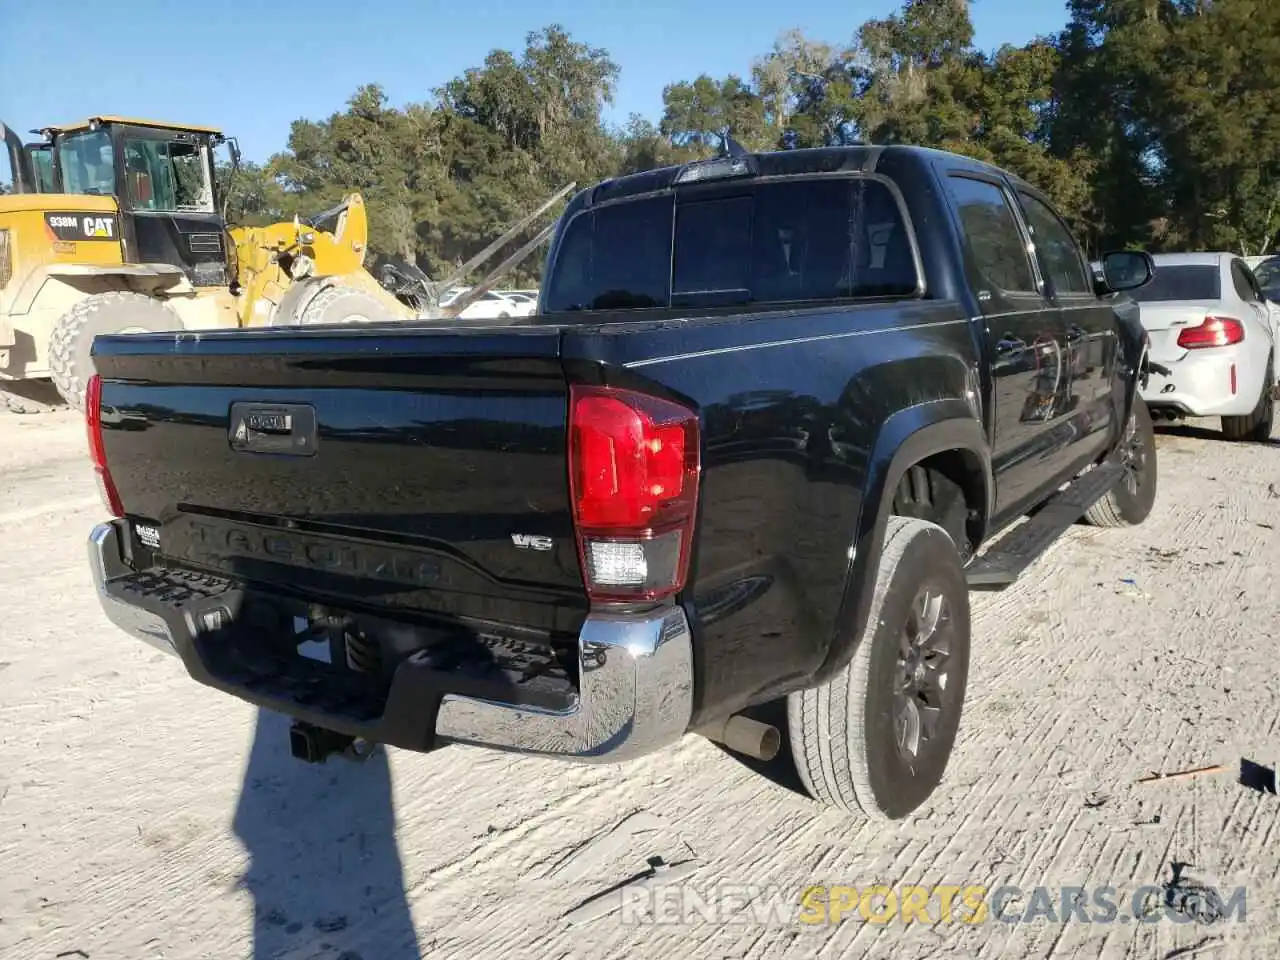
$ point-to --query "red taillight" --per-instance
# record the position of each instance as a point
(633, 471)
(97, 453)
(1214, 332)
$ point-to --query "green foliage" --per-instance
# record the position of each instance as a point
(1151, 123)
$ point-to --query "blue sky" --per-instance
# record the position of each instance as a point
(253, 66)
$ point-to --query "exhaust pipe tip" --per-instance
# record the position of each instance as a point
(741, 734)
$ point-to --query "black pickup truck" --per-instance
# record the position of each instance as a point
(777, 415)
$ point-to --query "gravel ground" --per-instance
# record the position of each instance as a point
(144, 816)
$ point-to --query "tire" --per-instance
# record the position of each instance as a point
(1257, 425)
(339, 304)
(120, 311)
(845, 734)
(1129, 502)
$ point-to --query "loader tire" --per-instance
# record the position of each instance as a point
(339, 304)
(120, 311)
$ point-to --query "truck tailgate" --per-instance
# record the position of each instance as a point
(407, 468)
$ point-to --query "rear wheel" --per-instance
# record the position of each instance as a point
(1255, 426)
(1129, 502)
(876, 739)
(120, 311)
(339, 304)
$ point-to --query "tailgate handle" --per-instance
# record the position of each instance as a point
(288, 429)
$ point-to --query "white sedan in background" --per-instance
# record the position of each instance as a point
(490, 306)
(1213, 329)
(528, 303)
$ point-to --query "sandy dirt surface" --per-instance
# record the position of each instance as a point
(144, 816)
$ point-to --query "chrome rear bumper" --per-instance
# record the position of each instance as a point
(636, 696)
(106, 562)
(635, 692)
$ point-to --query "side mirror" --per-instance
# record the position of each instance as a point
(1127, 270)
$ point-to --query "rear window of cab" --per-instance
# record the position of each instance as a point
(783, 241)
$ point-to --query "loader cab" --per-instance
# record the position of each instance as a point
(163, 179)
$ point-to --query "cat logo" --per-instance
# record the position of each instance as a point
(100, 228)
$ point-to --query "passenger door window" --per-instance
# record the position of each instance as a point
(167, 175)
(1058, 252)
(991, 229)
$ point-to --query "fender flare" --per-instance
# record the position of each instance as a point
(906, 438)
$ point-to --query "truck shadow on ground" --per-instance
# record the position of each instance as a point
(324, 871)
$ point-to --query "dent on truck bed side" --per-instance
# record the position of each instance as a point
(794, 409)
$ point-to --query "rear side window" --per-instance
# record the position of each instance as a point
(786, 241)
(1181, 282)
(993, 235)
(1059, 253)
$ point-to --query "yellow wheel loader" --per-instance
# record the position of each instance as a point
(113, 225)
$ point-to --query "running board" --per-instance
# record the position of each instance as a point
(1000, 565)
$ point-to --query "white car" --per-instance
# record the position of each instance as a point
(1215, 333)
(491, 306)
(528, 304)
